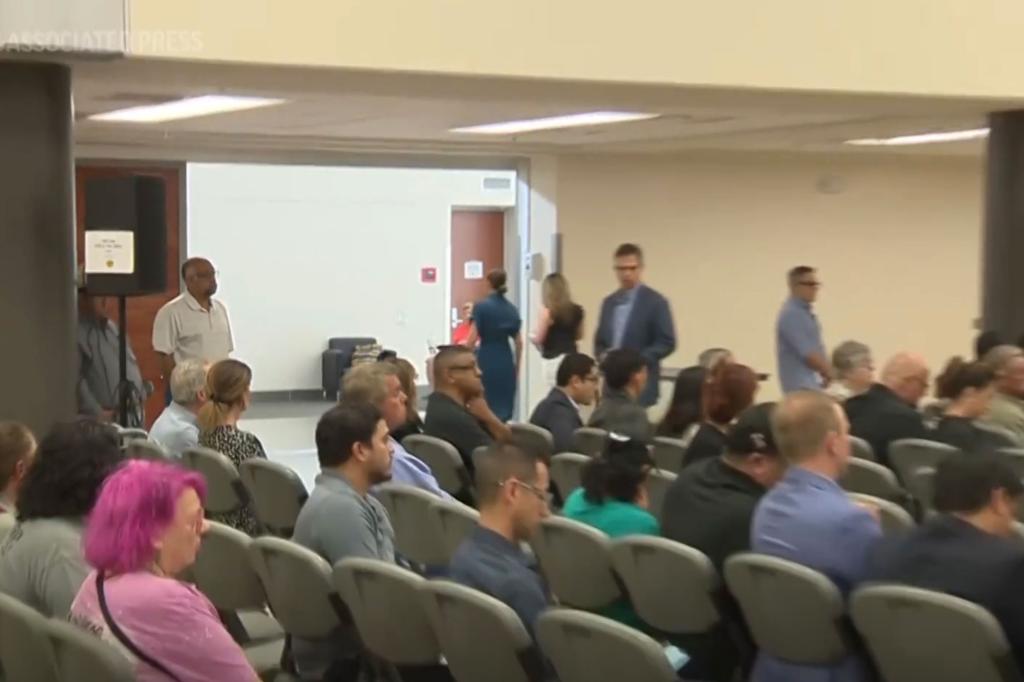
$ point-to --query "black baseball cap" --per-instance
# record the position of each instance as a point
(752, 432)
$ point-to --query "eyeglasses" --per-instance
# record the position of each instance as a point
(206, 275)
(812, 284)
(542, 495)
(626, 268)
(474, 366)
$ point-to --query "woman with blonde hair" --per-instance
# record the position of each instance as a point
(560, 325)
(228, 387)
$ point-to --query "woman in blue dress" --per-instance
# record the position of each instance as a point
(496, 322)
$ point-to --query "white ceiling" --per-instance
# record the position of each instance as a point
(333, 111)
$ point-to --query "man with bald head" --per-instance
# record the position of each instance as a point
(1007, 407)
(888, 410)
(808, 519)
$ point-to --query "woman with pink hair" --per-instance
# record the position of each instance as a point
(144, 530)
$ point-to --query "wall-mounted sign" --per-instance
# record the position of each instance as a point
(474, 269)
(109, 252)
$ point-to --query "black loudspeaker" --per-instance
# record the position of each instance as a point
(129, 204)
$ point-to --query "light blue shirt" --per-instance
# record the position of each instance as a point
(798, 334)
(175, 429)
(620, 316)
(409, 469)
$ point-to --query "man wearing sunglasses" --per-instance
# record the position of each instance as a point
(800, 350)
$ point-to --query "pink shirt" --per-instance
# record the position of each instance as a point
(170, 621)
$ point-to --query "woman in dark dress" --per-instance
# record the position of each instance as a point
(729, 391)
(496, 324)
(969, 388)
(560, 325)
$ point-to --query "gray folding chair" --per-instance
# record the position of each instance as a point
(658, 483)
(576, 560)
(916, 635)
(1018, 531)
(444, 461)
(224, 490)
(668, 454)
(131, 434)
(481, 638)
(456, 522)
(908, 455)
(141, 448)
(26, 652)
(589, 441)
(894, 518)
(584, 647)
(795, 613)
(533, 439)
(670, 585)
(277, 494)
(870, 478)
(84, 657)
(861, 449)
(418, 534)
(1015, 458)
(566, 470)
(385, 605)
(476, 455)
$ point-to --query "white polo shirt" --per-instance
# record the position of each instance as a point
(185, 329)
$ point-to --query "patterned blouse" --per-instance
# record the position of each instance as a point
(237, 446)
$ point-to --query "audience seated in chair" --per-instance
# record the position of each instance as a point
(341, 519)
(512, 489)
(229, 394)
(17, 450)
(1006, 411)
(407, 376)
(969, 387)
(730, 389)
(378, 384)
(41, 560)
(853, 368)
(687, 406)
(456, 410)
(144, 531)
(969, 549)
(559, 412)
(625, 376)
(613, 499)
(808, 519)
(888, 410)
(176, 429)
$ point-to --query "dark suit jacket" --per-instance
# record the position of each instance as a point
(557, 414)
(950, 555)
(879, 416)
(649, 330)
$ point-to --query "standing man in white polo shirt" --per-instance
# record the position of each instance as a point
(194, 325)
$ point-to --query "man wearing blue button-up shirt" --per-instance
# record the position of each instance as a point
(801, 352)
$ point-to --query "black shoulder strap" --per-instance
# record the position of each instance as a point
(122, 637)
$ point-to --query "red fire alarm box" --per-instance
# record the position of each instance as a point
(428, 275)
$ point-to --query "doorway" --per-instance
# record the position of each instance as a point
(477, 242)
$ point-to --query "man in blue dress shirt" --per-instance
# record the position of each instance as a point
(802, 359)
(808, 519)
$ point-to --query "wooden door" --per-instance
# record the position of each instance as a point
(141, 310)
(477, 246)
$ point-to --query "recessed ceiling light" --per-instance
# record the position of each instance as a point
(190, 107)
(589, 118)
(923, 138)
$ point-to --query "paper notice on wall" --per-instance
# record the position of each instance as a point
(474, 269)
(109, 252)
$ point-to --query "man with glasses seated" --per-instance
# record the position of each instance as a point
(559, 412)
(802, 360)
(456, 410)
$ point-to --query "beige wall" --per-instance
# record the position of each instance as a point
(897, 243)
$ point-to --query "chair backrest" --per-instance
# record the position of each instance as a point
(481, 638)
(418, 534)
(658, 483)
(127, 434)
(907, 455)
(477, 455)
(26, 652)
(533, 438)
(443, 459)
(794, 612)
(566, 471)
(1015, 458)
(141, 448)
(895, 519)
(385, 604)
(870, 478)
(456, 522)
(576, 560)
(1018, 531)
(84, 657)
(224, 490)
(589, 441)
(668, 454)
(907, 630)
(670, 585)
(277, 494)
(224, 572)
(297, 582)
(584, 647)
(861, 449)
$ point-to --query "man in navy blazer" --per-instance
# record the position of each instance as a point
(638, 317)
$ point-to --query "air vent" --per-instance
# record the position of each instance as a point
(497, 183)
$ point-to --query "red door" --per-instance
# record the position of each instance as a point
(477, 247)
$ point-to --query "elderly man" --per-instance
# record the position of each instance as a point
(854, 370)
(1007, 407)
(176, 427)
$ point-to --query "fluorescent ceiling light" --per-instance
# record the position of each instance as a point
(589, 118)
(190, 107)
(923, 138)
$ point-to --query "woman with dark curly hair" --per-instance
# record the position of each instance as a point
(41, 561)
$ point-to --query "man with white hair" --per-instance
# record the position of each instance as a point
(176, 429)
(1006, 410)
